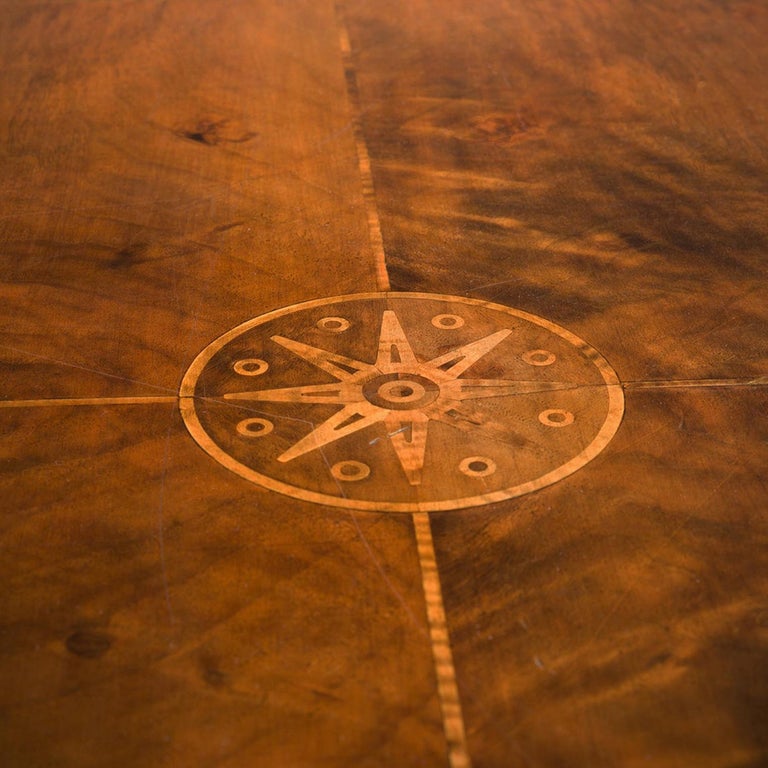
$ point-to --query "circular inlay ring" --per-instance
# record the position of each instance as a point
(477, 466)
(254, 427)
(333, 324)
(556, 417)
(401, 391)
(251, 367)
(448, 322)
(350, 471)
(341, 397)
(539, 357)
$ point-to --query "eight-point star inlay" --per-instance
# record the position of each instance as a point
(463, 396)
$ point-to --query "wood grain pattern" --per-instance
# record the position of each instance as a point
(150, 620)
(620, 618)
(168, 166)
(601, 165)
(175, 168)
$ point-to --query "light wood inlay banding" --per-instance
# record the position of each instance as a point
(93, 401)
(447, 688)
(363, 158)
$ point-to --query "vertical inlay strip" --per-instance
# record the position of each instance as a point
(447, 688)
(363, 158)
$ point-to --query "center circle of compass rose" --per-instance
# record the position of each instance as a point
(401, 402)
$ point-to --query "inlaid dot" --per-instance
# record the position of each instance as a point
(254, 427)
(333, 324)
(350, 471)
(447, 322)
(556, 418)
(251, 367)
(477, 466)
(539, 357)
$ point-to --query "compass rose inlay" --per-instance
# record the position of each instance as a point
(401, 401)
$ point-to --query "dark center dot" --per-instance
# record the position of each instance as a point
(478, 466)
(349, 470)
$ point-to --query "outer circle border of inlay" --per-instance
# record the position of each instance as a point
(601, 440)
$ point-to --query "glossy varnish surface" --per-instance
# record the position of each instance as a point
(172, 170)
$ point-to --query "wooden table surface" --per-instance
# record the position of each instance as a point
(505, 506)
